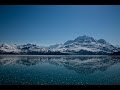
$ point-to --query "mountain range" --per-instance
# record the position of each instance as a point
(82, 45)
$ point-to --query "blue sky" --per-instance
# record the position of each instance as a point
(51, 24)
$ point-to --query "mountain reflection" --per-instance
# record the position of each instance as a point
(80, 64)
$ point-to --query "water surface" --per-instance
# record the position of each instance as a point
(59, 70)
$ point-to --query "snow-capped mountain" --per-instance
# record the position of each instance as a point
(32, 48)
(80, 45)
(85, 44)
(27, 48)
(5, 48)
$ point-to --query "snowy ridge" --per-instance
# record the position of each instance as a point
(80, 45)
(9, 48)
(86, 43)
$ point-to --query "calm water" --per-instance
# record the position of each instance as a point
(60, 70)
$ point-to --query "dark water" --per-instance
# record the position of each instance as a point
(60, 70)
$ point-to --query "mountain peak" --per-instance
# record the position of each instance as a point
(102, 41)
(84, 38)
